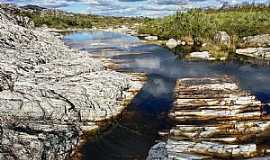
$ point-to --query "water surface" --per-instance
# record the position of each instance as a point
(133, 135)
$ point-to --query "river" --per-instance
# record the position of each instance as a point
(136, 131)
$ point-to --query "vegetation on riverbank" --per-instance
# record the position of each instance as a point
(62, 20)
(240, 21)
(200, 26)
(196, 28)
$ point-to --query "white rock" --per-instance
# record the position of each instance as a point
(151, 38)
(183, 43)
(171, 43)
(201, 55)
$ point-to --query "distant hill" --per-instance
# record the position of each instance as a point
(33, 7)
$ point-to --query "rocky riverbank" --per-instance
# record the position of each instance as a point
(214, 119)
(221, 47)
(51, 95)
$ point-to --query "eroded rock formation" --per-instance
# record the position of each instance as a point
(50, 94)
(214, 119)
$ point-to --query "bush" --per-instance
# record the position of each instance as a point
(240, 21)
(62, 20)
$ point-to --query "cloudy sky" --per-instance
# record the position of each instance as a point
(151, 8)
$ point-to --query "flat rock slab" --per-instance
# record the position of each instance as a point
(214, 119)
(258, 53)
(200, 55)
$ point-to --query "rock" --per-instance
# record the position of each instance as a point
(151, 38)
(259, 53)
(51, 95)
(19, 20)
(25, 22)
(181, 149)
(183, 43)
(201, 55)
(158, 152)
(223, 58)
(223, 38)
(256, 41)
(171, 43)
(204, 44)
(214, 119)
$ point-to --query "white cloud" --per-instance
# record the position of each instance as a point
(152, 8)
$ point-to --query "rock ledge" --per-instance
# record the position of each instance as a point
(51, 95)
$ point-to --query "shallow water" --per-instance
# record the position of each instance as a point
(133, 135)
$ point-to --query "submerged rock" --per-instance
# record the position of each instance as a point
(214, 119)
(51, 95)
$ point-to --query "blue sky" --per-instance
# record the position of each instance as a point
(151, 8)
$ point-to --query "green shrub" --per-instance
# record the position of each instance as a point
(240, 21)
(63, 20)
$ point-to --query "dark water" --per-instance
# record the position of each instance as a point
(133, 135)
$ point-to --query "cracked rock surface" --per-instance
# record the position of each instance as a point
(50, 94)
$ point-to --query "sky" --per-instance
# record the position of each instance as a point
(149, 8)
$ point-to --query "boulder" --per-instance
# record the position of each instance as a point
(223, 38)
(171, 43)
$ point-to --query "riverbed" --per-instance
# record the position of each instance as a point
(135, 132)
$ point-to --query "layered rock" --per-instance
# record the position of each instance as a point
(50, 95)
(256, 41)
(255, 47)
(258, 53)
(214, 119)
